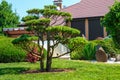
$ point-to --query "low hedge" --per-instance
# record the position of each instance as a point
(9, 52)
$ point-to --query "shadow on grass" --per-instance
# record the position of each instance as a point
(14, 70)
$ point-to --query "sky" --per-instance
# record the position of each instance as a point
(21, 6)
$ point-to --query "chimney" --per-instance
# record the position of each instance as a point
(58, 3)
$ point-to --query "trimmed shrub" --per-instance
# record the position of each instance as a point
(10, 53)
(111, 48)
(108, 45)
(89, 51)
(76, 55)
(76, 45)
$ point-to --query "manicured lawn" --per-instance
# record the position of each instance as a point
(83, 71)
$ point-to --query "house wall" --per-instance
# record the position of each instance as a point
(79, 24)
(95, 28)
(90, 27)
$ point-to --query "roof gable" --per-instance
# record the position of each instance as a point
(89, 8)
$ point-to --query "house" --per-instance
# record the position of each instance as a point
(86, 17)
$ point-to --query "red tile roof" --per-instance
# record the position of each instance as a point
(89, 8)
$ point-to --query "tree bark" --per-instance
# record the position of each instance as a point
(49, 58)
(48, 64)
(42, 60)
(41, 54)
(41, 65)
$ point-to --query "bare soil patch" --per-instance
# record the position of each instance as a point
(52, 71)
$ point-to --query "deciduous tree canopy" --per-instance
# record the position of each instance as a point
(112, 23)
(8, 18)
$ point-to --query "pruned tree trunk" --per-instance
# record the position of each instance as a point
(49, 58)
(48, 64)
(42, 60)
(41, 65)
(41, 54)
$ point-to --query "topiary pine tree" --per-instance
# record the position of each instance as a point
(112, 23)
(44, 23)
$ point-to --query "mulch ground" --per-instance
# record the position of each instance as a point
(52, 71)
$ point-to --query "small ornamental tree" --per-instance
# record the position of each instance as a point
(44, 22)
(112, 23)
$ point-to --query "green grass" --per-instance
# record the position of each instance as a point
(83, 71)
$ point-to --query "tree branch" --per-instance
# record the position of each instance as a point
(61, 55)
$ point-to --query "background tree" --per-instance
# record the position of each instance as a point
(45, 22)
(8, 18)
(112, 23)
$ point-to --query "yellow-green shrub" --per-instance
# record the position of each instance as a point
(76, 45)
(10, 53)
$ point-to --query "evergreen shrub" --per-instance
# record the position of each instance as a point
(9, 52)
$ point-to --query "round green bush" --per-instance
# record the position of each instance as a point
(76, 45)
(76, 55)
(9, 52)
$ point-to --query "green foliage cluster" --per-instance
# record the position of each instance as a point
(107, 45)
(89, 51)
(38, 22)
(8, 18)
(53, 7)
(76, 45)
(9, 52)
(62, 32)
(33, 11)
(25, 42)
(27, 18)
(22, 38)
(112, 23)
(66, 29)
(49, 11)
(81, 49)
